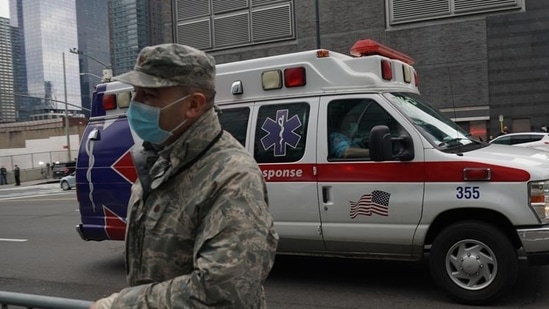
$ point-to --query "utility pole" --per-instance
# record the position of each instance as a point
(317, 13)
(67, 132)
(107, 70)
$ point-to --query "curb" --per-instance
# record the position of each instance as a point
(46, 182)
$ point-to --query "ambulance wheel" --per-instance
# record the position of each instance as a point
(473, 262)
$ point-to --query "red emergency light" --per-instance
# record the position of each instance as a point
(295, 77)
(109, 102)
(370, 47)
(386, 70)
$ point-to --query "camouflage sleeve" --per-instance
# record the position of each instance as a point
(233, 253)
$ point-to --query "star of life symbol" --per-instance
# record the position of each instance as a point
(281, 132)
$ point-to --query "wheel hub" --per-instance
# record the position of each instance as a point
(470, 264)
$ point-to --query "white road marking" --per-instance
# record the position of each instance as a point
(13, 240)
(28, 196)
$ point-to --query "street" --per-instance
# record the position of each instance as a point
(42, 254)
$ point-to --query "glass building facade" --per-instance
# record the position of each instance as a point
(7, 97)
(93, 43)
(49, 31)
(24, 105)
(129, 30)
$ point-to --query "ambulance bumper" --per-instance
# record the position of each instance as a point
(79, 231)
(535, 242)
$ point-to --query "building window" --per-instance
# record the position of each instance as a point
(217, 24)
(408, 11)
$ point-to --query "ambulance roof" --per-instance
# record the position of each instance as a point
(326, 72)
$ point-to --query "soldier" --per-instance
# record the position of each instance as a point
(199, 233)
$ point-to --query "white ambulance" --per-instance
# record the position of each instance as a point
(357, 165)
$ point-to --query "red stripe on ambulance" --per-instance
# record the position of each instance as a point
(386, 172)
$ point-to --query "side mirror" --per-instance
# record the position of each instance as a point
(383, 147)
(405, 147)
(380, 144)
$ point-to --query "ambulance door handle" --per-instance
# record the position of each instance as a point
(326, 194)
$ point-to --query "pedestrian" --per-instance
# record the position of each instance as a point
(199, 234)
(3, 176)
(505, 130)
(16, 174)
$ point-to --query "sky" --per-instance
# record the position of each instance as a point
(5, 8)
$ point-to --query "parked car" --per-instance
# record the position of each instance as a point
(536, 140)
(68, 182)
(62, 169)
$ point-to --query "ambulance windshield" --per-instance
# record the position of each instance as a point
(442, 132)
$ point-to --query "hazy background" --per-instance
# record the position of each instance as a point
(4, 8)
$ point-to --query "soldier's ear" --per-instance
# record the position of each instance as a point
(196, 105)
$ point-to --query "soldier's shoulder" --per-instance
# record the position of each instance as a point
(232, 156)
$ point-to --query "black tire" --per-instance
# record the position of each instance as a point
(65, 185)
(473, 262)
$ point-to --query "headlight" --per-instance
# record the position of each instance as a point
(539, 199)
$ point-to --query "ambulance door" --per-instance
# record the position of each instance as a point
(284, 145)
(366, 207)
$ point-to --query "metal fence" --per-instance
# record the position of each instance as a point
(35, 160)
(40, 302)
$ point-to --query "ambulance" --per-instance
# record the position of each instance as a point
(357, 165)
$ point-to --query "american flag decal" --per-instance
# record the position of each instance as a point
(376, 202)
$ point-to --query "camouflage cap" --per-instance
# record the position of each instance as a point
(167, 65)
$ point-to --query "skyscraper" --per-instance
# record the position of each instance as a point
(129, 31)
(93, 42)
(135, 24)
(49, 31)
(7, 98)
(23, 103)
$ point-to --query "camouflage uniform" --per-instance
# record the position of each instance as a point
(201, 237)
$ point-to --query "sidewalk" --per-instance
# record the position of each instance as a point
(30, 183)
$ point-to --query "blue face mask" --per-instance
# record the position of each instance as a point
(145, 121)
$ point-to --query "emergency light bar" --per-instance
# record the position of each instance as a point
(120, 100)
(292, 77)
(109, 102)
(370, 47)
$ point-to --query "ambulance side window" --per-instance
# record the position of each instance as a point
(349, 124)
(281, 132)
(235, 121)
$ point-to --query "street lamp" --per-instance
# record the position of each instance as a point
(66, 112)
(107, 70)
(85, 73)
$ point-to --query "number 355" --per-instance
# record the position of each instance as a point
(468, 193)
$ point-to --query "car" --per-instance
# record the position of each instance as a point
(536, 140)
(68, 182)
(62, 169)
